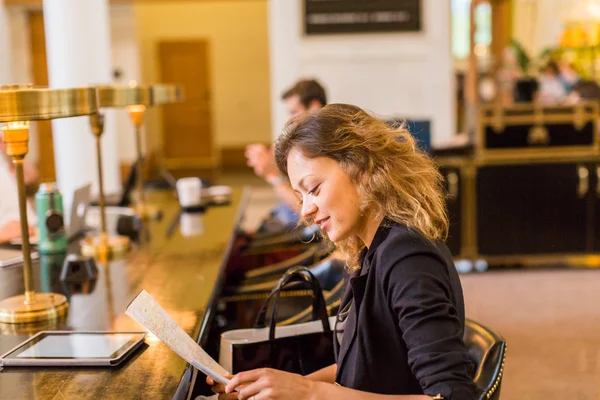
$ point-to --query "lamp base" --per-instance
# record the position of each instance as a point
(47, 306)
(147, 211)
(32, 328)
(113, 247)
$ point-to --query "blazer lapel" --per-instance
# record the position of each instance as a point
(346, 298)
(358, 285)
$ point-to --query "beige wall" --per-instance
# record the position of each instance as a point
(537, 24)
(238, 35)
(405, 75)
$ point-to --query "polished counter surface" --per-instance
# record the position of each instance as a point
(181, 272)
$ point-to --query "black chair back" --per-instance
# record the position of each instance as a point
(487, 350)
(273, 272)
(327, 270)
(296, 235)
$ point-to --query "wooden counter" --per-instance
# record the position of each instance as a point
(183, 274)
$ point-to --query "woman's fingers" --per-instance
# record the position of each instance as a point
(250, 390)
(228, 396)
(266, 383)
(244, 378)
(216, 387)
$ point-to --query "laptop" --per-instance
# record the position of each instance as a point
(169, 178)
(13, 256)
(82, 198)
(121, 199)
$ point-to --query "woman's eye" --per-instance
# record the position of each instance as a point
(312, 191)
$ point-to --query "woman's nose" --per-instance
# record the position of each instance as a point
(308, 208)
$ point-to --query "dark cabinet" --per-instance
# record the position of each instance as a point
(535, 208)
(453, 185)
(594, 228)
(531, 126)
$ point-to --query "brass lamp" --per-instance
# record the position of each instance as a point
(135, 99)
(103, 247)
(18, 106)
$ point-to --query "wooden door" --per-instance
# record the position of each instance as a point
(40, 78)
(187, 126)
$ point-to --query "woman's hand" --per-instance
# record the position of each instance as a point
(219, 389)
(271, 384)
(12, 230)
(262, 159)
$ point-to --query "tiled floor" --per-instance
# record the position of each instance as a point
(550, 319)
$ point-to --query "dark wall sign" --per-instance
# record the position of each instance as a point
(361, 16)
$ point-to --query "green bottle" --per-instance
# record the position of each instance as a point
(51, 226)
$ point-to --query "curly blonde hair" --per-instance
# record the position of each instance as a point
(395, 180)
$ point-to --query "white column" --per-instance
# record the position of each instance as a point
(5, 47)
(284, 55)
(79, 54)
(125, 49)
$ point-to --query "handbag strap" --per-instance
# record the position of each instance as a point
(319, 307)
(295, 274)
(292, 275)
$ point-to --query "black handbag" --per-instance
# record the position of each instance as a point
(301, 354)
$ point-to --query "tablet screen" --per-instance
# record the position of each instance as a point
(76, 345)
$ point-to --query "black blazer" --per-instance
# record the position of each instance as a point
(404, 330)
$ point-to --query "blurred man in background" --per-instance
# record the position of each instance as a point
(305, 95)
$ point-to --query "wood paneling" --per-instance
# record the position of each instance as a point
(233, 156)
(40, 78)
(501, 29)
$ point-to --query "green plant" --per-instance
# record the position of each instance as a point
(521, 55)
(529, 65)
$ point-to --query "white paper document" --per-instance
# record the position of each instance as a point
(145, 310)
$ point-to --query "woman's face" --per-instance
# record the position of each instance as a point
(329, 198)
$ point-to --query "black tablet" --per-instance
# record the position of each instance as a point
(73, 348)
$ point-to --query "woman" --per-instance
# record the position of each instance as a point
(379, 199)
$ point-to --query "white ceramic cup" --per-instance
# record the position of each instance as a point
(189, 191)
(219, 191)
(191, 224)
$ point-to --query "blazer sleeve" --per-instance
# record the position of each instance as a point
(418, 290)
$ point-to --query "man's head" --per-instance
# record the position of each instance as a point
(303, 96)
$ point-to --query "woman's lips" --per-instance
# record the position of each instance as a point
(323, 223)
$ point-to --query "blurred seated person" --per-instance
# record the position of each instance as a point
(551, 88)
(9, 198)
(584, 90)
(568, 76)
(305, 95)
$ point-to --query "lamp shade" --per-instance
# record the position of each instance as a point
(32, 104)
